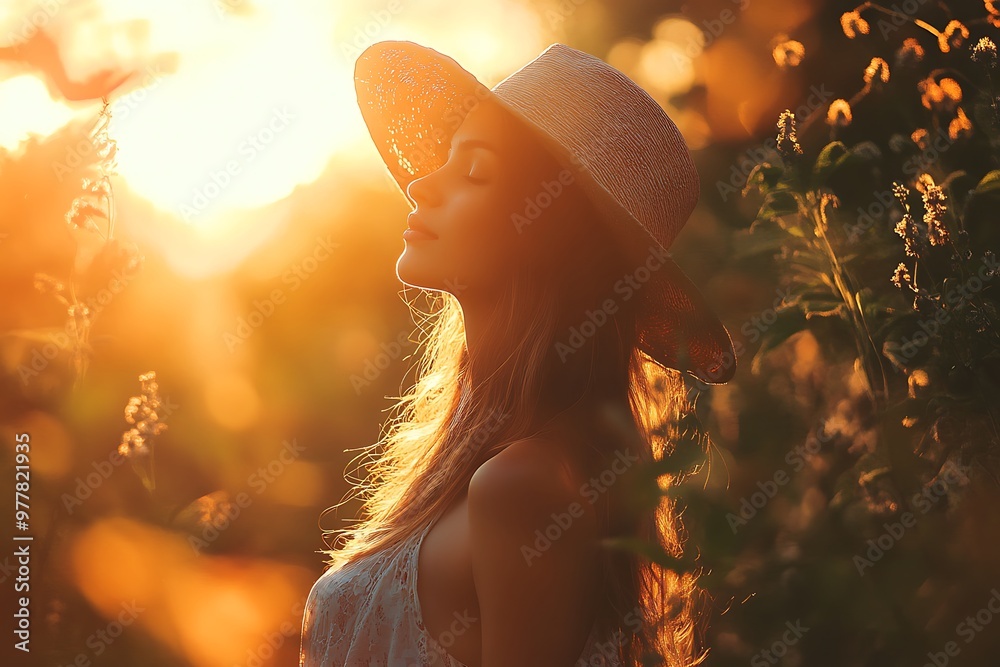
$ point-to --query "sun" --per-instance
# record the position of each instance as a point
(242, 121)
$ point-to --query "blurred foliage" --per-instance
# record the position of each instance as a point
(868, 532)
(842, 513)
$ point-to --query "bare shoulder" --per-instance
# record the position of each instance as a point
(534, 554)
(531, 478)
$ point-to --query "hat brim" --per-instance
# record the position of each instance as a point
(413, 99)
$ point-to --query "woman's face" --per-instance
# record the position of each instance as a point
(475, 206)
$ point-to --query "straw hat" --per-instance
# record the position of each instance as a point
(626, 153)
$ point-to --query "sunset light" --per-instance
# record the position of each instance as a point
(295, 314)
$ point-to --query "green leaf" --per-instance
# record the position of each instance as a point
(778, 203)
(827, 161)
(764, 176)
(990, 183)
(835, 156)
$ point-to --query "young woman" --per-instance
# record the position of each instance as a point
(542, 213)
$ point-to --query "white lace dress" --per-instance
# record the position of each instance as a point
(367, 614)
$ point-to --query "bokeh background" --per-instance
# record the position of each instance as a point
(188, 189)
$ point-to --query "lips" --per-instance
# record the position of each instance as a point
(416, 224)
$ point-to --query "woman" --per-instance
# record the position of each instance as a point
(542, 210)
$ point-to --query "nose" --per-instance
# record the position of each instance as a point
(424, 190)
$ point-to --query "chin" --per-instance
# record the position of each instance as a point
(414, 271)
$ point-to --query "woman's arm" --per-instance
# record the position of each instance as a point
(534, 557)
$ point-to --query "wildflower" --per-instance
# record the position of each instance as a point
(918, 381)
(919, 137)
(81, 215)
(955, 33)
(80, 319)
(934, 210)
(910, 53)
(960, 126)
(879, 69)
(788, 143)
(789, 53)
(839, 114)
(852, 23)
(923, 181)
(993, 15)
(985, 52)
(141, 412)
(46, 284)
(952, 91)
(901, 276)
(906, 228)
(100, 187)
(943, 95)
(990, 260)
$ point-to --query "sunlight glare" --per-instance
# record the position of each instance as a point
(27, 108)
(240, 124)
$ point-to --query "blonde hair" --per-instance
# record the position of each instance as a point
(453, 419)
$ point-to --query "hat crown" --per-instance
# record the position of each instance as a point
(613, 130)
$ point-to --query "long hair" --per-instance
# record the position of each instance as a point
(540, 355)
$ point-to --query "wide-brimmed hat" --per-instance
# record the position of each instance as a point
(628, 157)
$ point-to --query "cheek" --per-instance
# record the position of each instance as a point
(481, 257)
(486, 241)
